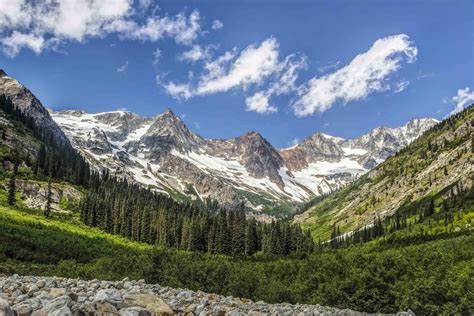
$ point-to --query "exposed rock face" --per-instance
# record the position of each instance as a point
(162, 153)
(34, 296)
(25, 100)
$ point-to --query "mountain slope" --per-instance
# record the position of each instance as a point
(439, 164)
(162, 153)
(29, 104)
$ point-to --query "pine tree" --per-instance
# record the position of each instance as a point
(11, 199)
(47, 209)
(251, 238)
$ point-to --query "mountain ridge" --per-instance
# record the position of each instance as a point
(248, 161)
(163, 154)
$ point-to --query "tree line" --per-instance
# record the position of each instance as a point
(126, 209)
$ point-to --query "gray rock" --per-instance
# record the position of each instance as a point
(111, 296)
(57, 304)
(63, 311)
(22, 309)
(5, 309)
(134, 311)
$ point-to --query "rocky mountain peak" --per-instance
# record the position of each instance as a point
(24, 100)
(259, 157)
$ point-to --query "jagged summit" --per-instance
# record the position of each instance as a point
(3, 73)
(162, 152)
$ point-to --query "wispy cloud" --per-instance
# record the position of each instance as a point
(156, 56)
(123, 68)
(463, 98)
(329, 66)
(401, 85)
(46, 24)
(365, 74)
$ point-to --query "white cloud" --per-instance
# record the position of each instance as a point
(284, 83)
(217, 25)
(257, 66)
(197, 52)
(43, 24)
(156, 56)
(463, 98)
(180, 91)
(400, 86)
(259, 103)
(365, 74)
(252, 66)
(17, 41)
(123, 68)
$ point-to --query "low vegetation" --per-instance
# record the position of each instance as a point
(429, 277)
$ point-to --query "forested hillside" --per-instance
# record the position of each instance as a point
(427, 183)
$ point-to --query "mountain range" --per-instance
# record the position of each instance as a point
(162, 153)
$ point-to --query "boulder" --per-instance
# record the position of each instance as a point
(5, 309)
(63, 311)
(22, 309)
(105, 309)
(57, 304)
(111, 296)
(55, 292)
(151, 302)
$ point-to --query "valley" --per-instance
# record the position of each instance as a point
(107, 199)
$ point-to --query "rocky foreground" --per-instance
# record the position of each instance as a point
(38, 296)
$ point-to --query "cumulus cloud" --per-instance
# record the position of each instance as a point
(44, 24)
(123, 68)
(217, 25)
(463, 98)
(365, 74)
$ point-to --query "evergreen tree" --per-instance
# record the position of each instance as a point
(11, 199)
(47, 209)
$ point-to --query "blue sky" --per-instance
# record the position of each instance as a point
(283, 68)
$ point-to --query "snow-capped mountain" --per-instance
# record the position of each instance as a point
(162, 153)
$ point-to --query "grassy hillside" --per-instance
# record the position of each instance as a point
(436, 166)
